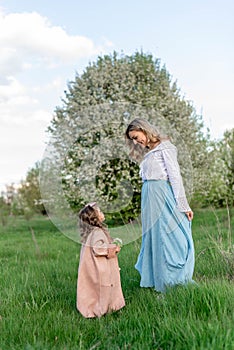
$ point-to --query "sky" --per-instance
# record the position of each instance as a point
(44, 44)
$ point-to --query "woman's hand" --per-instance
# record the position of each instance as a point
(189, 215)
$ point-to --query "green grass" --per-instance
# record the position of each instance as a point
(38, 294)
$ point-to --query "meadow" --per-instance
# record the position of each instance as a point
(38, 294)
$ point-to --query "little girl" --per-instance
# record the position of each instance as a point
(98, 287)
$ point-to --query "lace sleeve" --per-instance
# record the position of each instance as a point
(174, 176)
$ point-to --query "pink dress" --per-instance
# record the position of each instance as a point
(98, 286)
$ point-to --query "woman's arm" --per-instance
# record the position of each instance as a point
(174, 176)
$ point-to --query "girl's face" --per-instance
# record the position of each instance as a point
(101, 216)
(139, 137)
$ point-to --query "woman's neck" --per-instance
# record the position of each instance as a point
(152, 145)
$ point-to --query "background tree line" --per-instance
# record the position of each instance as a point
(97, 106)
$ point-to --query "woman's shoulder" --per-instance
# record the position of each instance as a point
(167, 145)
(164, 145)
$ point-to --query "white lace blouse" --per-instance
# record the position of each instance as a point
(161, 164)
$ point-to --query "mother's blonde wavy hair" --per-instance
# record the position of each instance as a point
(152, 134)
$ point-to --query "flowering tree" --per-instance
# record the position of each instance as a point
(28, 196)
(87, 154)
(227, 155)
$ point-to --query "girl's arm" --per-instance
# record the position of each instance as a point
(101, 247)
(113, 250)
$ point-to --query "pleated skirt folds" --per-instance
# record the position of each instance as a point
(166, 257)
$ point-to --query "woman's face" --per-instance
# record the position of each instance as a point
(139, 137)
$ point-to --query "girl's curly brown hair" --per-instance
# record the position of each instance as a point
(88, 219)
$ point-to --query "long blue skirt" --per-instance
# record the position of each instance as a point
(166, 257)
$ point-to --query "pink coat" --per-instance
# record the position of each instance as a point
(98, 287)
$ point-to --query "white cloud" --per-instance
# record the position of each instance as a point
(11, 88)
(42, 116)
(32, 34)
(30, 46)
(28, 41)
(10, 62)
(57, 83)
(15, 103)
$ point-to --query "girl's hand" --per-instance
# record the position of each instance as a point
(189, 215)
(113, 249)
(118, 241)
(118, 249)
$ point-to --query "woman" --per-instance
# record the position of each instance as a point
(167, 252)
